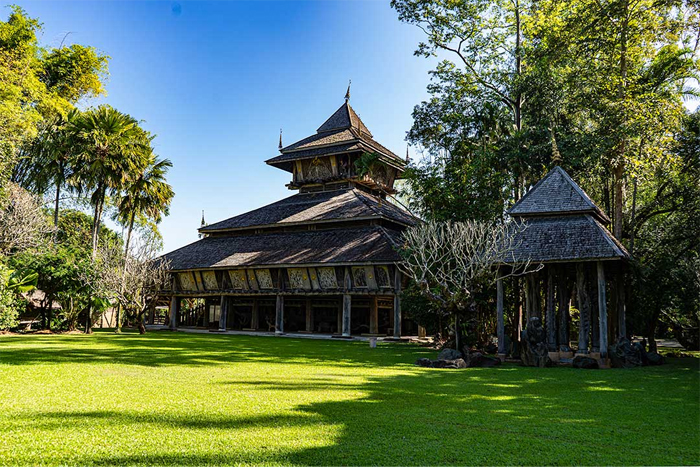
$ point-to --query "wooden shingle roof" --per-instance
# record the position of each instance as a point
(307, 247)
(314, 208)
(556, 193)
(562, 224)
(342, 132)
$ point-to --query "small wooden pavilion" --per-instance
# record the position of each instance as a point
(566, 234)
(320, 261)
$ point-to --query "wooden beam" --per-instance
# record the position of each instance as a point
(583, 307)
(373, 316)
(255, 315)
(551, 321)
(347, 308)
(279, 314)
(222, 313)
(500, 326)
(563, 309)
(397, 302)
(603, 310)
(621, 306)
(174, 305)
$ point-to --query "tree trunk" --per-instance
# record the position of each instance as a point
(55, 206)
(126, 253)
(88, 320)
(619, 169)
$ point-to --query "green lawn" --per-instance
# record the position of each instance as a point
(176, 398)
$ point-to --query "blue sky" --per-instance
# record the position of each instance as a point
(215, 81)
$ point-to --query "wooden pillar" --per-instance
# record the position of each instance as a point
(532, 296)
(397, 303)
(347, 304)
(347, 308)
(223, 312)
(595, 317)
(339, 324)
(500, 323)
(255, 315)
(279, 314)
(373, 316)
(621, 306)
(309, 316)
(583, 307)
(603, 310)
(174, 308)
(551, 322)
(563, 310)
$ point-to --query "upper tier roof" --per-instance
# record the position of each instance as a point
(556, 193)
(310, 208)
(343, 132)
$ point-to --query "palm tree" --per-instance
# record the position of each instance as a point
(147, 196)
(111, 151)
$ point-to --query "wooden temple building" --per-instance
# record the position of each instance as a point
(583, 264)
(320, 261)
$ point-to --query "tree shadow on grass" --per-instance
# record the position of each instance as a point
(165, 348)
(496, 416)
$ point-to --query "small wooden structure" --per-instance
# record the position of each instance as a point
(566, 234)
(320, 261)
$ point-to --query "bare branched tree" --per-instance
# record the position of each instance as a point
(448, 260)
(23, 223)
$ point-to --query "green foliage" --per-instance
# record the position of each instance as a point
(12, 284)
(366, 163)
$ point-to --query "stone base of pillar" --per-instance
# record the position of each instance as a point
(581, 354)
(565, 355)
(595, 355)
(554, 356)
(604, 363)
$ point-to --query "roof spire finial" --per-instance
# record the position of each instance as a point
(347, 93)
(556, 155)
(408, 158)
(204, 224)
(280, 145)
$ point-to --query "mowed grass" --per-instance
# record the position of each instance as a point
(199, 399)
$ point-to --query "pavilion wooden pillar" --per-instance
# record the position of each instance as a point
(373, 315)
(309, 316)
(339, 326)
(347, 304)
(595, 315)
(551, 322)
(174, 308)
(602, 308)
(255, 315)
(279, 314)
(583, 307)
(223, 312)
(397, 303)
(500, 323)
(532, 297)
(563, 310)
(621, 306)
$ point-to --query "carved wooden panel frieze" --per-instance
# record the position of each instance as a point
(238, 281)
(327, 278)
(264, 278)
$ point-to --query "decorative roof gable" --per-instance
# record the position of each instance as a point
(556, 193)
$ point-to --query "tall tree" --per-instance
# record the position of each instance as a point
(111, 151)
(147, 196)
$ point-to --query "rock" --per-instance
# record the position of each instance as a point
(653, 359)
(425, 362)
(456, 363)
(474, 359)
(588, 363)
(624, 354)
(489, 362)
(449, 354)
(533, 351)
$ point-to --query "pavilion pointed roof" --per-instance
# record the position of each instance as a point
(561, 224)
(344, 118)
(557, 194)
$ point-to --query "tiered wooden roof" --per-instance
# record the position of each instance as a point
(563, 224)
(343, 224)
